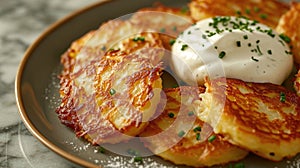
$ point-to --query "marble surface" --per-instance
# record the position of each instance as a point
(21, 22)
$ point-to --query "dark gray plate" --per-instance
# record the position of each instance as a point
(37, 89)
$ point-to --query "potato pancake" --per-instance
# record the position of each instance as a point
(289, 26)
(107, 95)
(170, 137)
(260, 10)
(261, 117)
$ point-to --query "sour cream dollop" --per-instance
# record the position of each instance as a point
(232, 47)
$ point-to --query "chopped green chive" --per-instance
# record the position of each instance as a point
(245, 37)
(184, 9)
(101, 149)
(162, 30)
(237, 165)
(254, 22)
(183, 47)
(198, 128)
(103, 48)
(256, 9)
(222, 54)
(263, 16)
(136, 39)
(247, 11)
(249, 44)
(190, 113)
(171, 115)
(238, 12)
(198, 136)
(254, 59)
(282, 97)
(175, 85)
(181, 133)
(212, 138)
(259, 51)
(111, 49)
(172, 41)
(270, 52)
(174, 28)
(285, 38)
(288, 52)
(189, 32)
(238, 43)
(112, 91)
(270, 33)
(138, 159)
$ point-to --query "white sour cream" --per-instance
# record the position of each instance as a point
(231, 47)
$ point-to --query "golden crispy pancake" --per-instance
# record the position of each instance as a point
(180, 137)
(267, 12)
(106, 94)
(261, 117)
(289, 25)
(113, 96)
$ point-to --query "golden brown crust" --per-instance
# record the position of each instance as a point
(90, 73)
(193, 149)
(289, 25)
(267, 114)
(106, 100)
(267, 12)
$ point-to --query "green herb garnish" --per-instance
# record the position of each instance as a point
(282, 97)
(184, 46)
(171, 115)
(285, 38)
(172, 41)
(212, 138)
(247, 11)
(112, 91)
(101, 149)
(263, 16)
(270, 52)
(198, 136)
(136, 39)
(175, 28)
(137, 159)
(237, 165)
(222, 54)
(196, 129)
(181, 133)
(254, 59)
(190, 113)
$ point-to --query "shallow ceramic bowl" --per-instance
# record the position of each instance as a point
(37, 88)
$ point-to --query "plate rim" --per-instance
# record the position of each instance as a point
(18, 80)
